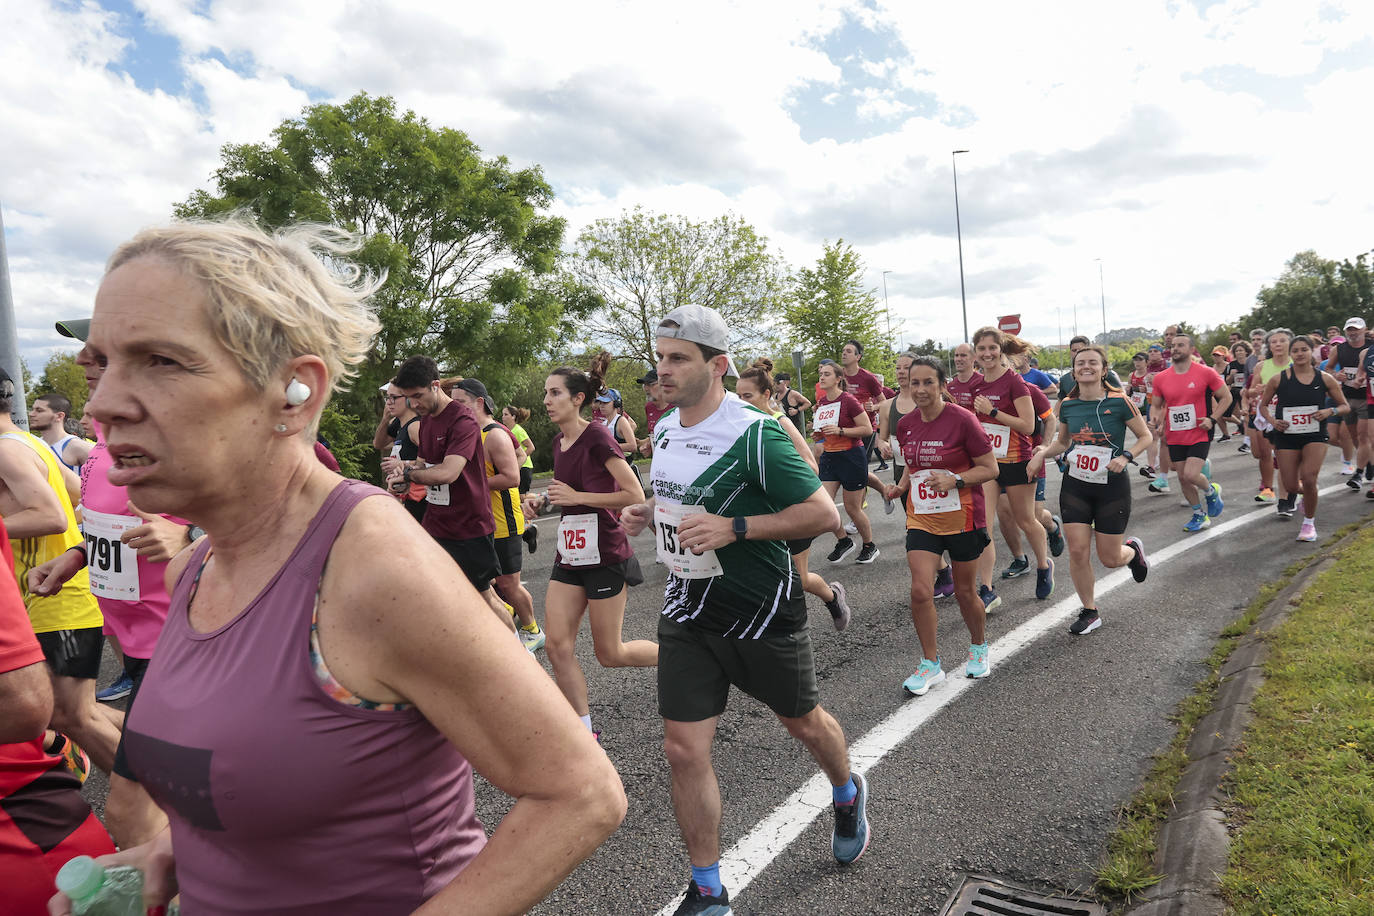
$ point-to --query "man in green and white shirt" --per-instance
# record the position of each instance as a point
(728, 489)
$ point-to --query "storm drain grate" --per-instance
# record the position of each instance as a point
(980, 896)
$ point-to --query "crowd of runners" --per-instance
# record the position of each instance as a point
(252, 592)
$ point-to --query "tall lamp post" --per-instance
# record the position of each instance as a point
(1101, 291)
(959, 231)
(887, 310)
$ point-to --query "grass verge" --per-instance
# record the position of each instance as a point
(1128, 868)
(1303, 784)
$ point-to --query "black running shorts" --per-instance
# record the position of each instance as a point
(73, 653)
(1181, 453)
(963, 547)
(1104, 506)
(509, 554)
(696, 669)
(1012, 474)
(476, 557)
(600, 582)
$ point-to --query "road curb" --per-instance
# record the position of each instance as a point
(1195, 840)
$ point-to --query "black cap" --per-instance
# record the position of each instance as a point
(475, 388)
(649, 377)
(78, 328)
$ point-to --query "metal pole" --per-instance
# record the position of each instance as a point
(1103, 293)
(887, 309)
(9, 338)
(959, 231)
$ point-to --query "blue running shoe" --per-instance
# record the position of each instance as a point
(1214, 503)
(991, 600)
(1044, 582)
(1198, 522)
(927, 675)
(977, 664)
(118, 690)
(850, 838)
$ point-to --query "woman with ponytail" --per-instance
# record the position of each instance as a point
(592, 482)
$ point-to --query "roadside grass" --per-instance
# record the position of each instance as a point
(1303, 784)
(1127, 870)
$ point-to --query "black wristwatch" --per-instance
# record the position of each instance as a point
(993, 412)
(741, 526)
(194, 533)
(959, 482)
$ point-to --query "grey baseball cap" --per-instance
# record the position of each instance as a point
(77, 328)
(700, 325)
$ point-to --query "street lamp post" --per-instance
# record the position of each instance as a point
(887, 310)
(1101, 291)
(959, 232)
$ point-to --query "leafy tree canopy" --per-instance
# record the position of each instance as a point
(643, 265)
(830, 305)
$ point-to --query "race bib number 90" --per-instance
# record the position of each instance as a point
(680, 561)
(112, 564)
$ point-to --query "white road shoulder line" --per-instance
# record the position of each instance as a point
(756, 850)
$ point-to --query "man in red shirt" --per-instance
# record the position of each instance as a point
(44, 821)
(1188, 398)
(655, 406)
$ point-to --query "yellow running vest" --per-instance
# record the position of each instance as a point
(505, 504)
(72, 608)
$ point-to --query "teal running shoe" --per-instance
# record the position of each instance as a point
(977, 664)
(927, 675)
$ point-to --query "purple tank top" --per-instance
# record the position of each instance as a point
(282, 799)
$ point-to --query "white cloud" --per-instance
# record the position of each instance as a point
(1094, 131)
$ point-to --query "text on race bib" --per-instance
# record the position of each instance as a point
(1088, 463)
(1302, 420)
(1138, 399)
(680, 561)
(1000, 437)
(111, 564)
(579, 539)
(897, 455)
(1349, 373)
(926, 499)
(826, 415)
(1183, 417)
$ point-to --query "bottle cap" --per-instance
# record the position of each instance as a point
(80, 877)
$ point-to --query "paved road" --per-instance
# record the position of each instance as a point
(1017, 775)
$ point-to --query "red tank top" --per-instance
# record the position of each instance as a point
(282, 799)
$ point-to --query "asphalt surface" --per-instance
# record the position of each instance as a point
(1018, 776)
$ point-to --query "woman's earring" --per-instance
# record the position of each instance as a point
(281, 427)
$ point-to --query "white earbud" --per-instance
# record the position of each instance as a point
(297, 393)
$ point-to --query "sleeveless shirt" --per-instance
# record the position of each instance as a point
(282, 799)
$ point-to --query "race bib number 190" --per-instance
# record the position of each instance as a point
(112, 564)
(1088, 463)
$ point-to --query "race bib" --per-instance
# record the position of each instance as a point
(395, 450)
(1182, 417)
(1088, 463)
(1348, 373)
(927, 500)
(112, 564)
(680, 561)
(1138, 399)
(827, 415)
(579, 540)
(437, 494)
(1302, 420)
(897, 455)
(1000, 437)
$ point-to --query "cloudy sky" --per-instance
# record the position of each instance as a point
(1192, 146)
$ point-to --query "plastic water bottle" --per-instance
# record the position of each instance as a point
(100, 891)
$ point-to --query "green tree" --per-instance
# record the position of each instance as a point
(1313, 292)
(61, 375)
(469, 247)
(643, 265)
(830, 305)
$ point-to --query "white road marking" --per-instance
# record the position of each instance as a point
(756, 850)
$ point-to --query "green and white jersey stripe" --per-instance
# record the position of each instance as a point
(736, 462)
